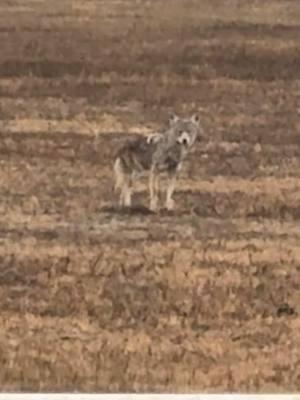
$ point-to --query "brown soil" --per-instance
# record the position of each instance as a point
(94, 298)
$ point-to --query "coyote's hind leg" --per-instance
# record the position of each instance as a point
(154, 189)
(126, 193)
(123, 182)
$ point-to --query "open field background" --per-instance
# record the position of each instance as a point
(94, 299)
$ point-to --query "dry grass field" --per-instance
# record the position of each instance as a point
(93, 298)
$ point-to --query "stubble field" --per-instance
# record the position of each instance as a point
(93, 298)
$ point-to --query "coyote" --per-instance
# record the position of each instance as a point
(156, 154)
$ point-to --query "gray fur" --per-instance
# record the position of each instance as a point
(158, 153)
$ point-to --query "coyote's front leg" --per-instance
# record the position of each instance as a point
(172, 178)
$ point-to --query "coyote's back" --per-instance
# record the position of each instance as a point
(137, 155)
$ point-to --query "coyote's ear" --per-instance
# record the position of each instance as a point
(173, 119)
(195, 119)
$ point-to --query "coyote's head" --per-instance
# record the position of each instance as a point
(185, 131)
